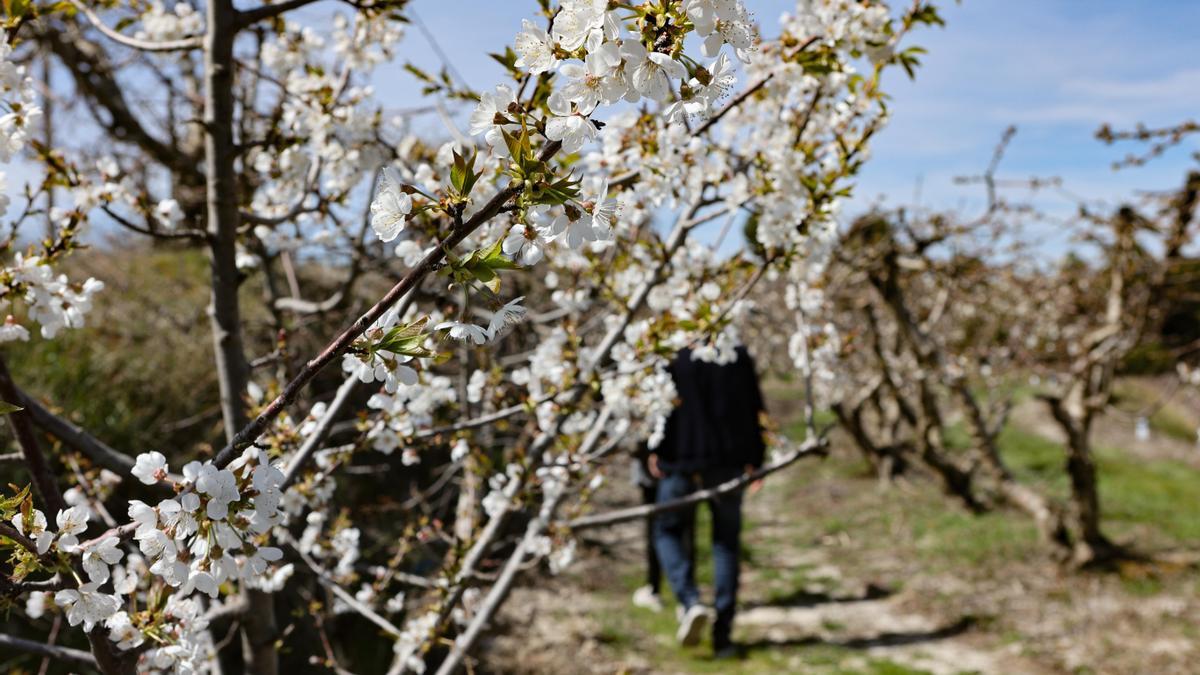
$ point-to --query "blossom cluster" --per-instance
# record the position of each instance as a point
(207, 535)
(50, 300)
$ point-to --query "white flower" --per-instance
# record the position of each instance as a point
(169, 212)
(592, 82)
(566, 125)
(475, 386)
(603, 210)
(548, 227)
(534, 49)
(36, 604)
(460, 450)
(576, 20)
(227, 536)
(71, 522)
(221, 487)
(205, 583)
(122, 631)
(720, 22)
(150, 467)
(523, 245)
(494, 503)
(87, 606)
(409, 252)
(484, 116)
(155, 544)
(578, 233)
(266, 478)
(174, 515)
(721, 78)
(11, 331)
(224, 568)
(34, 527)
(98, 557)
(391, 206)
(464, 331)
(562, 557)
(258, 563)
(511, 313)
(174, 572)
(143, 514)
(651, 71)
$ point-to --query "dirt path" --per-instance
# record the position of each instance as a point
(796, 603)
(842, 576)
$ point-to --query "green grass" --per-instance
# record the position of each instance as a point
(1172, 423)
(795, 429)
(1154, 498)
(1159, 495)
(1168, 418)
(950, 538)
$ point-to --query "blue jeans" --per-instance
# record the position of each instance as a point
(674, 529)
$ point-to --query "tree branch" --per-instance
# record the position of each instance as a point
(251, 16)
(816, 446)
(183, 44)
(53, 651)
(343, 342)
(79, 440)
(22, 423)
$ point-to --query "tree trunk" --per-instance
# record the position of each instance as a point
(221, 200)
(222, 208)
(886, 459)
(1046, 514)
(1091, 546)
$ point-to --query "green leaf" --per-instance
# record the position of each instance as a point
(928, 14)
(15, 9)
(8, 408)
(488, 277)
(462, 174)
(508, 59)
(458, 172)
(407, 339)
(418, 73)
(10, 506)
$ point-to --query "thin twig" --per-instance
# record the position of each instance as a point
(182, 44)
(53, 651)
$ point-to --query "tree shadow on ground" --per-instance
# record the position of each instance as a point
(805, 598)
(887, 639)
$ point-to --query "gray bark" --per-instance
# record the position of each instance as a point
(259, 631)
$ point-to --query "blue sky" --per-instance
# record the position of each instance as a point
(1055, 68)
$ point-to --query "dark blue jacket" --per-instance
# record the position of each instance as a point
(715, 423)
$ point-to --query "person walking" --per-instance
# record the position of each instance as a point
(713, 435)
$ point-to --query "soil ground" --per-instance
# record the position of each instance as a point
(843, 575)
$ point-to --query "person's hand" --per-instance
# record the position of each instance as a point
(755, 486)
(652, 465)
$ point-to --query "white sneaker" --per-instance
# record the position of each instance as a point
(646, 598)
(692, 625)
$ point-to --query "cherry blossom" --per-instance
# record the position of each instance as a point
(391, 206)
(534, 49)
(150, 467)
